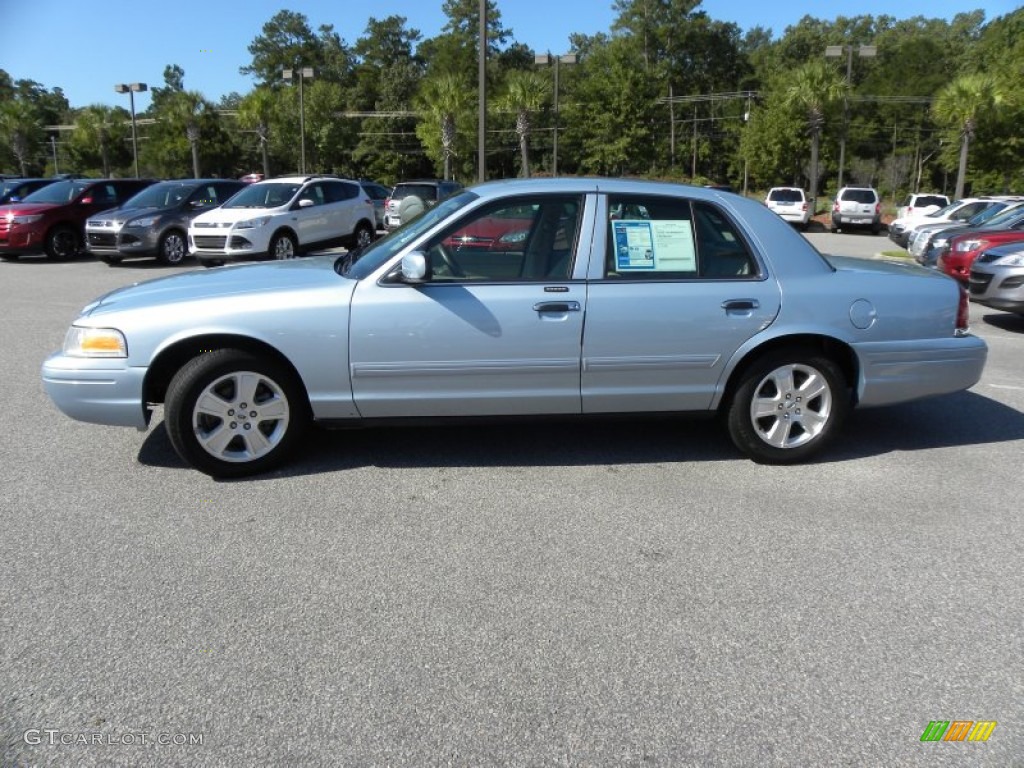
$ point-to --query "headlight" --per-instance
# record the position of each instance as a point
(95, 342)
(26, 219)
(147, 221)
(1010, 260)
(968, 245)
(252, 223)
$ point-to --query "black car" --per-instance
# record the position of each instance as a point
(13, 190)
(155, 221)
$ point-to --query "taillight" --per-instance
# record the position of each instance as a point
(387, 202)
(963, 313)
(805, 205)
(835, 206)
(878, 207)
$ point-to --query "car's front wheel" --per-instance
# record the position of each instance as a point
(230, 413)
(173, 248)
(788, 406)
(283, 246)
(62, 243)
(363, 236)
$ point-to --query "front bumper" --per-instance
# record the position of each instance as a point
(231, 246)
(999, 288)
(22, 239)
(99, 391)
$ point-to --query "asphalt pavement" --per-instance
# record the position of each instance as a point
(601, 594)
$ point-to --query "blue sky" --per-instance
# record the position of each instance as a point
(87, 47)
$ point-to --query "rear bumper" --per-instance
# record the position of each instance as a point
(896, 372)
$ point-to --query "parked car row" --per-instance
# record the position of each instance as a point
(213, 220)
(853, 207)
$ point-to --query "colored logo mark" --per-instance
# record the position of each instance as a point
(958, 730)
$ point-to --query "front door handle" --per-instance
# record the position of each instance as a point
(740, 304)
(557, 306)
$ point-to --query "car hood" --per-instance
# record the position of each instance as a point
(26, 209)
(125, 214)
(232, 215)
(245, 280)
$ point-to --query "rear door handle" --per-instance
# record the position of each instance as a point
(557, 306)
(740, 304)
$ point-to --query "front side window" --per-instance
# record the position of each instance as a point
(670, 238)
(522, 239)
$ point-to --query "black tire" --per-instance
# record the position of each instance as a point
(173, 247)
(804, 401)
(62, 243)
(110, 261)
(363, 236)
(229, 436)
(283, 246)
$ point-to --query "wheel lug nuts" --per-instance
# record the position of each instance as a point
(243, 406)
(248, 426)
(234, 425)
(231, 412)
(252, 414)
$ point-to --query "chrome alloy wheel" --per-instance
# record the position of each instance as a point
(284, 248)
(241, 416)
(791, 406)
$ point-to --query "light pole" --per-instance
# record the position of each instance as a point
(545, 59)
(303, 73)
(131, 89)
(836, 51)
(481, 76)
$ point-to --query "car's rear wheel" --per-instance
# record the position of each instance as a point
(61, 243)
(230, 413)
(283, 246)
(788, 406)
(172, 248)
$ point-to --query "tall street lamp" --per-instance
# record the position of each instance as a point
(131, 89)
(545, 59)
(835, 52)
(303, 74)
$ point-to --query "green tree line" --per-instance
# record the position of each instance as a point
(667, 92)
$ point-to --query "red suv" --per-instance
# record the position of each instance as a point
(52, 219)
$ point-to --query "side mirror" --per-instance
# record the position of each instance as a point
(305, 203)
(414, 268)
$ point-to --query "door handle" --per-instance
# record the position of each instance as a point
(740, 304)
(557, 306)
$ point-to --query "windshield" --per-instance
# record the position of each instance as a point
(389, 245)
(947, 209)
(162, 195)
(58, 192)
(264, 195)
(996, 216)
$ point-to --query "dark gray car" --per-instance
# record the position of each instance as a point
(155, 221)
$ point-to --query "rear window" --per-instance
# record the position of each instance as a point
(866, 196)
(422, 191)
(925, 200)
(786, 195)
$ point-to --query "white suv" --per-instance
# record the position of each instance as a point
(283, 217)
(790, 203)
(857, 207)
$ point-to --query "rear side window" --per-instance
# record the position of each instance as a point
(667, 238)
(926, 200)
(339, 191)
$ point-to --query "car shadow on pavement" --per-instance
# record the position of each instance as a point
(962, 419)
(1008, 321)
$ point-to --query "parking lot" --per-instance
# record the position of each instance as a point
(567, 594)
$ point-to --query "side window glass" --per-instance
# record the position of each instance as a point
(314, 192)
(650, 238)
(722, 252)
(526, 239)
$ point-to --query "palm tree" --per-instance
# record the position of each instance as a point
(959, 105)
(525, 93)
(814, 88)
(255, 113)
(187, 109)
(21, 129)
(100, 126)
(444, 98)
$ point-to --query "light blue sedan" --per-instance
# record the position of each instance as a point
(547, 297)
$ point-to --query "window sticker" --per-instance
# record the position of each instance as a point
(659, 246)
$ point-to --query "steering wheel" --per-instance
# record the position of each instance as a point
(449, 261)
